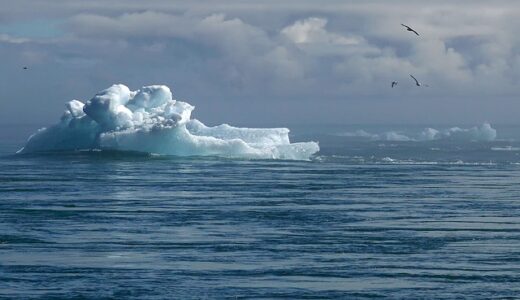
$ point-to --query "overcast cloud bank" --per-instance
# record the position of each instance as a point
(334, 61)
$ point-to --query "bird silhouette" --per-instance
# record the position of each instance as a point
(417, 83)
(25, 68)
(410, 29)
(394, 83)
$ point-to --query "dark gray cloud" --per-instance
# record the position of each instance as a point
(295, 62)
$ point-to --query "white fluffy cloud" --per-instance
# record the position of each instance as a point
(5, 38)
(312, 31)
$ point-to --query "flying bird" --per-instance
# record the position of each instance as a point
(410, 29)
(394, 83)
(417, 83)
(25, 68)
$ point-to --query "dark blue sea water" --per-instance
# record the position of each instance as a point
(366, 218)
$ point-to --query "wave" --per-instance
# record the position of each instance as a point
(483, 132)
(149, 120)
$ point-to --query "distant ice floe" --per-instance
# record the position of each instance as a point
(389, 160)
(505, 148)
(150, 120)
(483, 132)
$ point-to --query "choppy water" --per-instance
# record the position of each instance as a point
(365, 219)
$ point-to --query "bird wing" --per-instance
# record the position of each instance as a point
(416, 81)
(410, 28)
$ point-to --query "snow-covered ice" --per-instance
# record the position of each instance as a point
(150, 120)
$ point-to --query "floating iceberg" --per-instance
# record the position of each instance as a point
(482, 133)
(150, 120)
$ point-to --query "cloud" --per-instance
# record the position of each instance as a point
(236, 53)
(5, 38)
(315, 51)
(312, 30)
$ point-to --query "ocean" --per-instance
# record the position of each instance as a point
(380, 212)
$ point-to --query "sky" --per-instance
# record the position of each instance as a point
(268, 62)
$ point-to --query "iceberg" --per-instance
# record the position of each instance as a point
(150, 120)
(482, 133)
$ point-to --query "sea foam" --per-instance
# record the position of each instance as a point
(150, 120)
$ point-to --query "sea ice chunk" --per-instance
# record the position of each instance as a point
(150, 120)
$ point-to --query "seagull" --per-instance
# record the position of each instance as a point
(410, 29)
(394, 83)
(417, 83)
